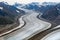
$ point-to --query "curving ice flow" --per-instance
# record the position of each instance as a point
(21, 24)
(55, 35)
(32, 27)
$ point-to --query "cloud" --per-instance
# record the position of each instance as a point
(28, 1)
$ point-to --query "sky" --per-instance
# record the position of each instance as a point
(28, 1)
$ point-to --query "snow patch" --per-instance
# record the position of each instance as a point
(1, 8)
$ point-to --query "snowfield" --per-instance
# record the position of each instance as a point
(55, 35)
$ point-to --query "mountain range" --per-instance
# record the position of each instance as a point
(50, 10)
(9, 13)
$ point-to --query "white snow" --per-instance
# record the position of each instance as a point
(1, 8)
(17, 11)
(11, 2)
(55, 35)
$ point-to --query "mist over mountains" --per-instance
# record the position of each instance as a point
(37, 6)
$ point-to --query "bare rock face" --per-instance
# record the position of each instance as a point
(51, 14)
(9, 14)
(9, 17)
(4, 18)
(5, 21)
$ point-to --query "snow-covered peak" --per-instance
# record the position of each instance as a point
(49, 3)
